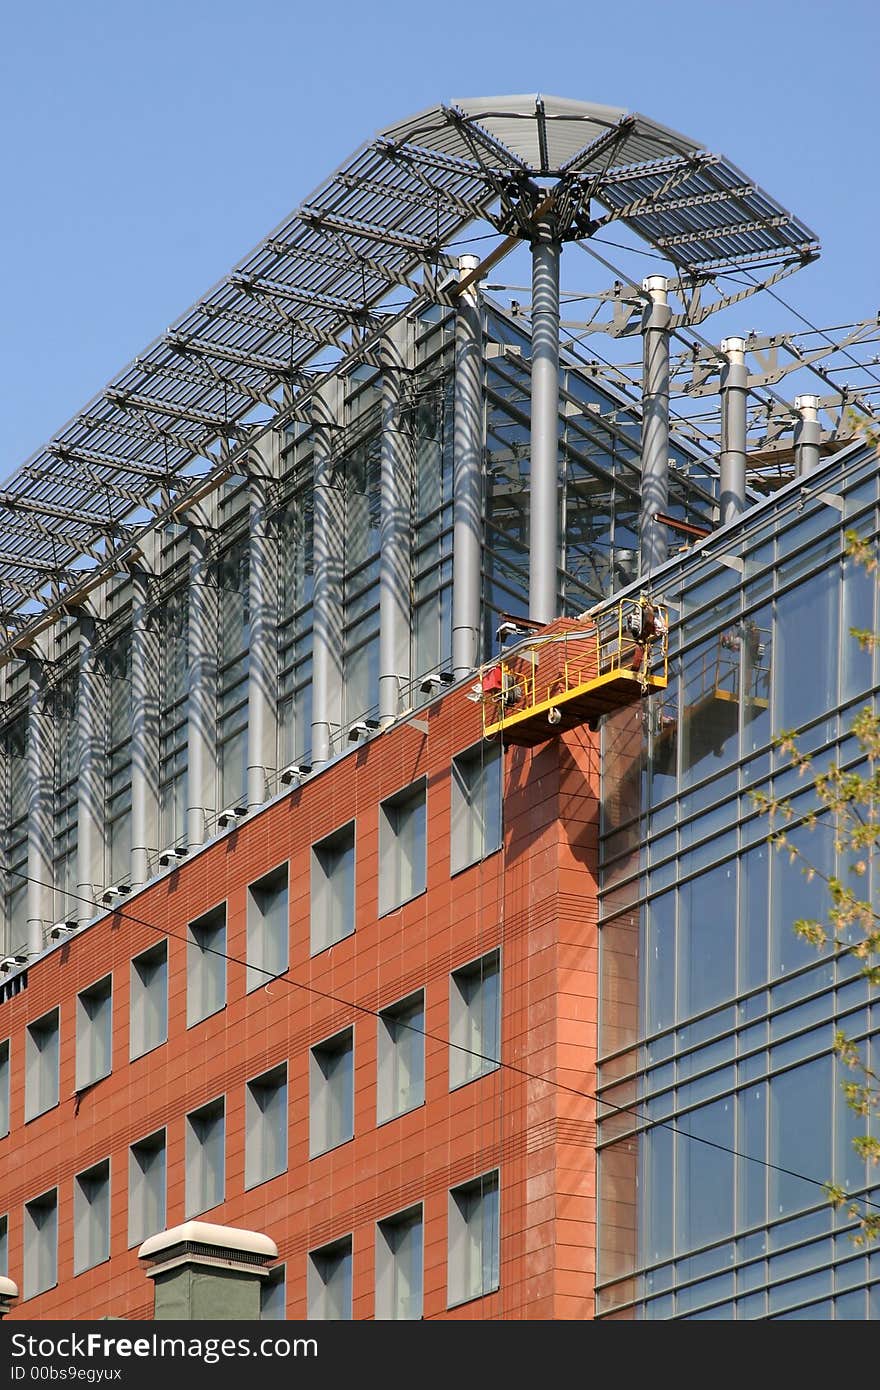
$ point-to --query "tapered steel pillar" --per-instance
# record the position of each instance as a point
(807, 435)
(90, 820)
(39, 762)
(328, 544)
(467, 490)
(655, 423)
(144, 729)
(395, 564)
(263, 609)
(734, 397)
(544, 481)
(201, 709)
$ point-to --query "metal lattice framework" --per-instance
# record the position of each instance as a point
(327, 283)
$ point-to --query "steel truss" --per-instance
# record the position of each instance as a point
(375, 241)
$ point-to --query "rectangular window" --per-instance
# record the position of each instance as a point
(94, 1032)
(41, 1244)
(4, 1088)
(205, 1157)
(206, 966)
(399, 1264)
(472, 1260)
(273, 1296)
(476, 805)
(402, 847)
(329, 1281)
(474, 1020)
(401, 1058)
(4, 1247)
(41, 1066)
(332, 889)
(331, 1093)
(149, 1000)
(146, 1188)
(265, 1146)
(267, 928)
(91, 1217)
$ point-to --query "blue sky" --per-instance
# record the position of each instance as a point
(147, 147)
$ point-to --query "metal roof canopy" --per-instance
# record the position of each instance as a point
(244, 356)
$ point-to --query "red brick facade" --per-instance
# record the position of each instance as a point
(535, 899)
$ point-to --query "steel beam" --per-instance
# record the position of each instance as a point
(395, 554)
(328, 545)
(655, 424)
(467, 489)
(734, 400)
(544, 483)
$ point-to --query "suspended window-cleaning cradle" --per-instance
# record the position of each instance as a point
(575, 671)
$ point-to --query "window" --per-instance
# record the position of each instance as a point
(4, 1247)
(331, 1093)
(206, 966)
(205, 1158)
(474, 1020)
(401, 1058)
(41, 1066)
(91, 1217)
(399, 1265)
(94, 1032)
(333, 889)
(402, 847)
(476, 805)
(41, 1244)
(146, 1188)
(472, 1260)
(149, 1000)
(4, 1088)
(267, 928)
(329, 1281)
(265, 1150)
(273, 1296)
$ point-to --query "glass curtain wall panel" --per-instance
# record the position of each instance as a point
(726, 1026)
(233, 652)
(360, 578)
(294, 527)
(117, 672)
(63, 705)
(15, 833)
(170, 618)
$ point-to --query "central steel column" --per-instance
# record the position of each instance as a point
(39, 764)
(734, 397)
(144, 729)
(90, 833)
(328, 545)
(467, 485)
(395, 562)
(807, 435)
(655, 423)
(543, 501)
(262, 735)
(201, 709)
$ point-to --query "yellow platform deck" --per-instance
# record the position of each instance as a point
(571, 673)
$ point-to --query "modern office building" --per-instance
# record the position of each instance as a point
(359, 889)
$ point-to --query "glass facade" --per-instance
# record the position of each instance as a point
(722, 1112)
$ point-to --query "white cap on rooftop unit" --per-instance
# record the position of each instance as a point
(206, 1233)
